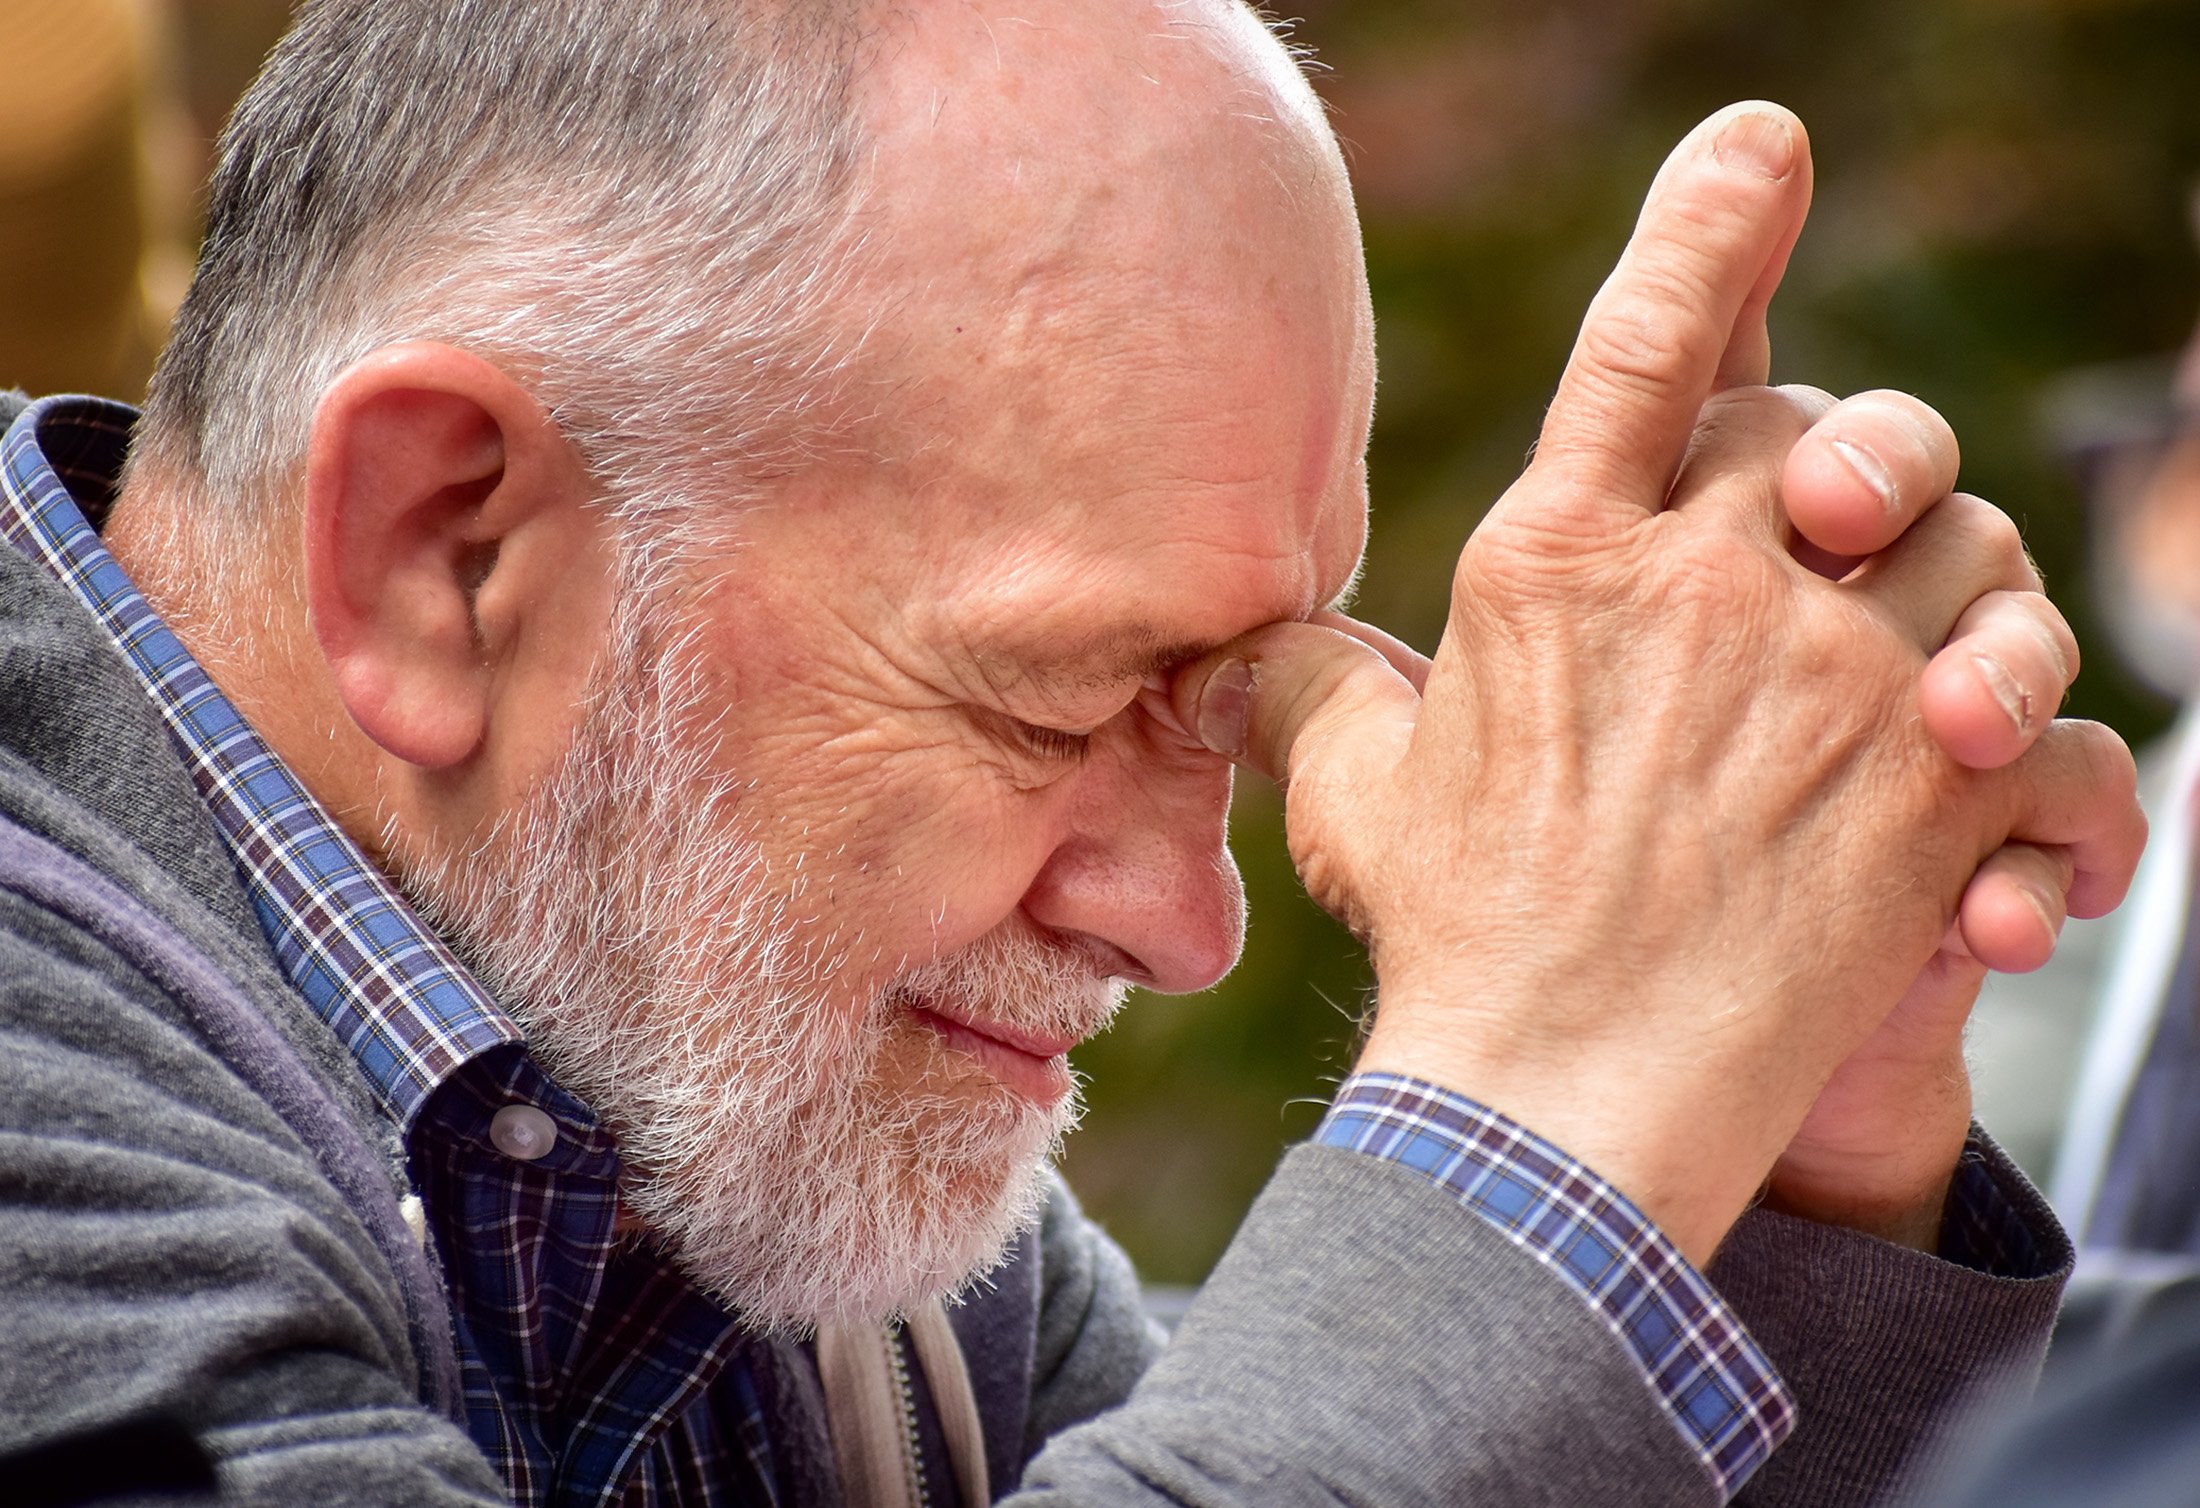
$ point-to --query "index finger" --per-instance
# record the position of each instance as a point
(1712, 239)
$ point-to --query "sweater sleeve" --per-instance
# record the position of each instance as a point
(1366, 1339)
(1889, 1351)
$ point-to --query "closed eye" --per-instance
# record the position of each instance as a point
(1052, 743)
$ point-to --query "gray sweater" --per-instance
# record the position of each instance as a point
(198, 1212)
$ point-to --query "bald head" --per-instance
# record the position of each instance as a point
(1044, 80)
(668, 265)
(1120, 192)
(1168, 130)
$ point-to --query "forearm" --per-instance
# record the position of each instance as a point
(1367, 1339)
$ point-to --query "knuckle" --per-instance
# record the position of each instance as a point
(1531, 554)
(1647, 339)
(2066, 645)
(1741, 416)
(1809, 403)
(2050, 631)
(2121, 768)
(1988, 530)
(1714, 575)
(2103, 762)
(2032, 574)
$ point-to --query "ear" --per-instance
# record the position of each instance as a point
(444, 512)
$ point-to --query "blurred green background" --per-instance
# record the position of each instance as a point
(2002, 194)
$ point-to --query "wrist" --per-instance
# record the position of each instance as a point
(1898, 1195)
(1879, 1150)
(1914, 1223)
(1680, 1156)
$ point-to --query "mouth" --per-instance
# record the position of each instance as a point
(1033, 1065)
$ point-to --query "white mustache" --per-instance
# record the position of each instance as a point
(1016, 981)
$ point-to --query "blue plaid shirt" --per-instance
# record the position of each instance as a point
(593, 1372)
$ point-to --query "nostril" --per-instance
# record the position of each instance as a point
(1106, 959)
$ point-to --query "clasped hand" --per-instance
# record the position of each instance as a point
(1734, 770)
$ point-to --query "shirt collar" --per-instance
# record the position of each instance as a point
(408, 1011)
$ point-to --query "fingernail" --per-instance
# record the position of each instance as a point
(2047, 918)
(1757, 143)
(1869, 470)
(2008, 695)
(1226, 707)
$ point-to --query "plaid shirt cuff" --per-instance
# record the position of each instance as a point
(1718, 1388)
(1982, 1228)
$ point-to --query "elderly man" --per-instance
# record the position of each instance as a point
(768, 527)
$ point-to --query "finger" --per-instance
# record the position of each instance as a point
(1938, 1002)
(2000, 678)
(2013, 909)
(1952, 945)
(1747, 360)
(1741, 443)
(1725, 205)
(1867, 470)
(1402, 657)
(2077, 788)
(1288, 696)
(1962, 548)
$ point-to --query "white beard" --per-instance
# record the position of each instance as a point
(623, 918)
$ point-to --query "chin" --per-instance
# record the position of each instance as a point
(915, 1207)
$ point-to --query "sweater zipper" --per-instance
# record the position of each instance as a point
(912, 1443)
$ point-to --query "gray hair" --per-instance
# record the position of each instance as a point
(639, 208)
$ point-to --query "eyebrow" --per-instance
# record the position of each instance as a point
(1111, 656)
(1114, 656)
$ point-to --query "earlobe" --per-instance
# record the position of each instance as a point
(422, 458)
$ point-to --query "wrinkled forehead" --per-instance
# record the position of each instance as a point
(1031, 161)
(1116, 318)
(1110, 232)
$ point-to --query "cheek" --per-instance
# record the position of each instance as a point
(888, 832)
(893, 830)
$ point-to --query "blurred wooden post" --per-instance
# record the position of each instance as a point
(79, 219)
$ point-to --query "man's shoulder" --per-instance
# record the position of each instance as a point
(168, 1137)
(97, 807)
(84, 760)
(126, 992)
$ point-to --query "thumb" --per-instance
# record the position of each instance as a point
(1291, 699)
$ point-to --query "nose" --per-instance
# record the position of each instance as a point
(1143, 874)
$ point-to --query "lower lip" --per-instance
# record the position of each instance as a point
(1040, 1080)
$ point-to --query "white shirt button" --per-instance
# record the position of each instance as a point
(522, 1133)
